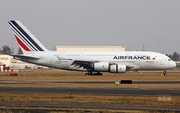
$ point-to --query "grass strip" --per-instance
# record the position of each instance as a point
(89, 99)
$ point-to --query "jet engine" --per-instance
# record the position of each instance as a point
(116, 68)
(106, 67)
(101, 66)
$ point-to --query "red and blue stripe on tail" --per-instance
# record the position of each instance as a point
(26, 40)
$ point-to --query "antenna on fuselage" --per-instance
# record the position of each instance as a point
(143, 49)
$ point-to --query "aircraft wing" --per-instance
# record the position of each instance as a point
(88, 64)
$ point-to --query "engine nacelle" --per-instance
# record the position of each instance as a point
(116, 68)
(106, 67)
(101, 66)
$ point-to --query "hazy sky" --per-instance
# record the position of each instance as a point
(154, 24)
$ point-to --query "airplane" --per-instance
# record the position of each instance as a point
(94, 63)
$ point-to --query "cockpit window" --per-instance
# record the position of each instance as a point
(169, 59)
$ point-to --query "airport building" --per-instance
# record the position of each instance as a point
(8, 61)
(5, 59)
(89, 48)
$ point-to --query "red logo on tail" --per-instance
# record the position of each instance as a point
(22, 44)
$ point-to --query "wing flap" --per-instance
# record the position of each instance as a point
(86, 64)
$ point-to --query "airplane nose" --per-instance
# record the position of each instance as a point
(173, 64)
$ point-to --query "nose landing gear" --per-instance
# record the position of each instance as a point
(165, 73)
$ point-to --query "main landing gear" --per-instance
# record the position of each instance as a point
(91, 73)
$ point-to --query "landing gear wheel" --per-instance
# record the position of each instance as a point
(165, 73)
(98, 73)
(91, 73)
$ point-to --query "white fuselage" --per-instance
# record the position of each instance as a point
(135, 60)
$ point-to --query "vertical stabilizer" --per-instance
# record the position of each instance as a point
(26, 40)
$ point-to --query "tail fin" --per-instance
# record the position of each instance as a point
(26, 40)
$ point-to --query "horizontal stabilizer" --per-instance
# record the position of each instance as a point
(25, 56)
